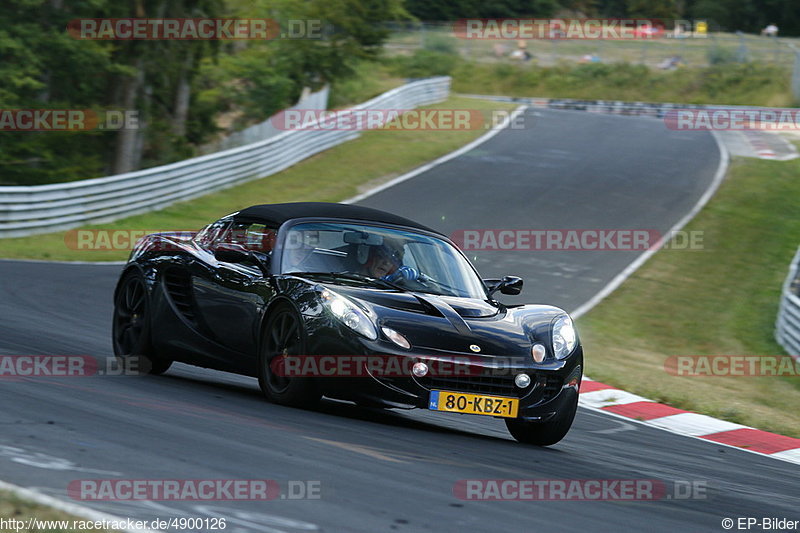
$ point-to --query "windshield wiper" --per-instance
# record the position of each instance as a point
(352, 276)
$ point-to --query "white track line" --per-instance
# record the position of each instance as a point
(619, 279)
(790, 456)
(436, 162)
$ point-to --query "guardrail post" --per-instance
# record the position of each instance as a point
(787, 327)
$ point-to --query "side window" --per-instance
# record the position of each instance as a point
(254, 237)
(260, 238)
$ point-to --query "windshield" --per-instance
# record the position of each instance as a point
(409, 260)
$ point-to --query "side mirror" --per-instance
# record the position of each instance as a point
(511, 285)
(231, 253)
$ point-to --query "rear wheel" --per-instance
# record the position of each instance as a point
(284, 336)
(131, 328)
(543, 433)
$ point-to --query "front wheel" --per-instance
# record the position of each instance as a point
(543, 433)
(284, 336)
(131, 328)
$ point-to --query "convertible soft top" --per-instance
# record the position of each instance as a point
(280, 213)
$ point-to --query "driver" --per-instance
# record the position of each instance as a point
(386, 262)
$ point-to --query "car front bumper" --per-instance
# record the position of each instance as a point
(554, 384)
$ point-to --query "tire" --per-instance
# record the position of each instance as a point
(284, 335)
(130, 330)
(543, 433)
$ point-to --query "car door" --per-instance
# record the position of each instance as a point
(231, 296)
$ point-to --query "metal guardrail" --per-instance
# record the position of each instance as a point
(266, 129)
(28, 210)
(787, 328)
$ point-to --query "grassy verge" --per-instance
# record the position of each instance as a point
(696, 52)
(733, 84)
(721, 300)
(12, 507)
(333, 175)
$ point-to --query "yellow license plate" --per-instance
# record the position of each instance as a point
(473, 404)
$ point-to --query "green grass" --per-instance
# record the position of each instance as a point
(736, 84)
(696, 51)
(333, 175)
(13, 507)
(720, 300)
(753, 83)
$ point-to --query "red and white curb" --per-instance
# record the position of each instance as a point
(601, 397)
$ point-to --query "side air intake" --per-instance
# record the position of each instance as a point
(178, 286)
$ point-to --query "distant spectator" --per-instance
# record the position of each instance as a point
(671, 63)
(522, 55)
(770, 31)
(589, 58)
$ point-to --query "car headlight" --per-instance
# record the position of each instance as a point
(564, 337)
(349, 314)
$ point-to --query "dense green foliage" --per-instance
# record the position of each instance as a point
(179, 88)
(44, 67)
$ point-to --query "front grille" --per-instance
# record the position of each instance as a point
(501, 386)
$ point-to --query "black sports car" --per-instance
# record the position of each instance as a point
(352, 303)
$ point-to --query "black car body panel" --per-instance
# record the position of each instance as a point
(212, 313)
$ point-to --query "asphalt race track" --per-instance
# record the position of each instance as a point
(390, 470)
